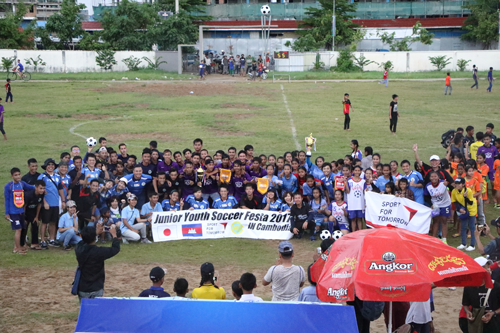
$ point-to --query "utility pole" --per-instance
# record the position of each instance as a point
(177, 6)
(333, 27)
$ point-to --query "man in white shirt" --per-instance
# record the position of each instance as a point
(287, 279)
(247, 283)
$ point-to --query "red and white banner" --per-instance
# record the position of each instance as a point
(383, 210)
(220, 223)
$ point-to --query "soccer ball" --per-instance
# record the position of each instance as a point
(337, 234)
(91, 142)
(325, 234)
(265, 10)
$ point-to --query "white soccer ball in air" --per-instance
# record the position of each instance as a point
(337, 234)
(325, 234)
(265, 10)
(91, 142)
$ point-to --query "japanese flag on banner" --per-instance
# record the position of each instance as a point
(383, 210)
(167, 232)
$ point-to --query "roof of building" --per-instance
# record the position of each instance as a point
(441, 22)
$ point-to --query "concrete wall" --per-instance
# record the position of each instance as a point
(414, 61)
(84, 61)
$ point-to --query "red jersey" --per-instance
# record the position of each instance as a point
(347, 106)
(385, 75)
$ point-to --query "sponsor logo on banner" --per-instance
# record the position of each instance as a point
(339, 294)
(344, 275)
(440, 261)
(389, 264)
(352, 262)
(192, 230)
(237, 228)
(393, 288)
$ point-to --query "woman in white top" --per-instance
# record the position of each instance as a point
(441, 202)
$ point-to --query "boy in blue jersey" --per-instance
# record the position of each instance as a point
(172, 203)
(50, 211)
(157, 276)
(150, 207)
(415, 180)
(328, 181)
(196, 201)
(137, 184)
(90, 172)
(14, 206)
(65, 179)
(225, 201)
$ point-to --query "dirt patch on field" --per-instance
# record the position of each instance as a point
(91, 116)
(159, 136)
(240, 106)
(84, 116)
(234, 115)
(128, 105)
(41, 115)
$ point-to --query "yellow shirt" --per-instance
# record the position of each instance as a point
(473, 149)
(209, 292)
(458, 196)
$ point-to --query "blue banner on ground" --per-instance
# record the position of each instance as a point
(195, 316)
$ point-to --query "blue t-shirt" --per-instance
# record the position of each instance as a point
(65, 221)
(197, 204)
(146, 208)
(65, 182)
(289, 184)
(154, 292)
(94, 174)
(52, 196)
(167, 207)
(130, 215)
(20, 66)
(381, 181)
(273, 206)
(418, 192)
(329, 183)
(137, 187)
(227, 204)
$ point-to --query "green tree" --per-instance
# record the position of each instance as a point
(92, 42)
(177, 29)
(126, 27)
(11, 35)
(44, 35)
(318, 26)
(67, 24)
(189, 6)
(419, 34)
(482, 24)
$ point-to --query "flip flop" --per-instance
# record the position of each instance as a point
(19, 252)
(456, 235)
(37, 248)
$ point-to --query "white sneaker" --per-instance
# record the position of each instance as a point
(146, 241)
(470, 248)
(461, 247)
(124, 241)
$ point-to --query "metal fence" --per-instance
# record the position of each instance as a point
(364, 10)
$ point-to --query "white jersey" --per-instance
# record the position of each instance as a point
(356, 195)
(439, 195)
(338, 212)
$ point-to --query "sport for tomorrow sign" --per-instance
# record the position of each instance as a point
(220, 223)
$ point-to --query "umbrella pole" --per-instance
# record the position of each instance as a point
(389, 329)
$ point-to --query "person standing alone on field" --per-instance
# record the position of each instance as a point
(347, 107)
(385, 79)
(474, 77)
(9, 93)
(490, 79)
(447, 84)
(225, 65)
(91, 261)
(2, 111)
(393, 113)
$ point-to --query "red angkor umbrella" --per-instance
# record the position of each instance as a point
(392, 264)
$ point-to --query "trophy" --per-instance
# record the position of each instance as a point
(199, 174)
(310, 142)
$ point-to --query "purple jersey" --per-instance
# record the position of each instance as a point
(163, 167)
(238, 186)
(209, 185)
(1, 113)
(258, 174)
(490, 153)
(149, 169)
(188, 189)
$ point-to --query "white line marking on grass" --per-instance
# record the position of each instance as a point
(72, 129)
(292, 125)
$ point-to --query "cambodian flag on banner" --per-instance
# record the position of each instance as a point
(192, 230)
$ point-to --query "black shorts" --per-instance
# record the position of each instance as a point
(50, 215)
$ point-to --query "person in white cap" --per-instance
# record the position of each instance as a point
(67, 233)
(476, 297)
(435, 165)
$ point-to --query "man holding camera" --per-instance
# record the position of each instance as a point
(493, 247)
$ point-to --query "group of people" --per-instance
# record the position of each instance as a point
(231, 65)
(119, 190)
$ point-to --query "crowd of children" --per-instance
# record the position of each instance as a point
(122, 191)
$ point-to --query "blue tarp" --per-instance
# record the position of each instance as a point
(195, 316)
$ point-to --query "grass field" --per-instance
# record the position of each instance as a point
(48, 117)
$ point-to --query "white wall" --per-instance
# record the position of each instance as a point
(75, 61)
(414, 61)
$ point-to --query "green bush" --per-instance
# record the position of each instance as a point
(388, 64)
(105, 59)
(345, 62)
(440, 62)
(132, 63)
(462, 64)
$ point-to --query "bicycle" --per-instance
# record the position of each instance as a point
(26, 76)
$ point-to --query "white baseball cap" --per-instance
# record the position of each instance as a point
(434, 157)
(482, 261)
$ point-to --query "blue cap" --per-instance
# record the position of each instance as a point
(285, 247)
